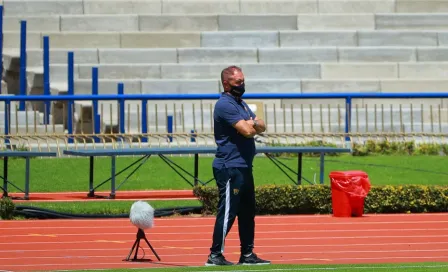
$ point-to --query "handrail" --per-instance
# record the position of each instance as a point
(97, 97)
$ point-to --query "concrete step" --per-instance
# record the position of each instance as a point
(401, 70)
(290, 38)
(11, 57)
(33, 130)
(176, 86)
(23, 7)
(227, 22)
(49, 7)
(27, 117)
(211, 60)
(261, 38)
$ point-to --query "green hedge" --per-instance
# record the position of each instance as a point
(6, 208)
(372, 147)
(316, 199)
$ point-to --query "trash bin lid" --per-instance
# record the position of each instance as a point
(350, 173)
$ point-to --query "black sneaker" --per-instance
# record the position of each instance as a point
(252, 259)
(217, 259)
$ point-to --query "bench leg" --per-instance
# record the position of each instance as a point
(91, 168)
(5, 177)
(322, 160)
(299, 169)
(112, 181)
(27, 177)
(196, 169)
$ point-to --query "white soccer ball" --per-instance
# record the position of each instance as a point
(142, 215)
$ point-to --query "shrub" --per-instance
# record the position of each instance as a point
(316, 199)
(6, 208)
(371, 147)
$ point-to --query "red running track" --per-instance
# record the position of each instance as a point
(184, 241)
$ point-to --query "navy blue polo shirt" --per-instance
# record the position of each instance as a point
(234, 150)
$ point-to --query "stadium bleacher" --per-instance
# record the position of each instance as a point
(171, 46)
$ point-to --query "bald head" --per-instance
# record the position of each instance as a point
(231, 76)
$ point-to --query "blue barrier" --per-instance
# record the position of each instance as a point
(46, 58)
(1, 44)
(22, 75)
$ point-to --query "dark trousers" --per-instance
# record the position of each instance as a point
(236, 198)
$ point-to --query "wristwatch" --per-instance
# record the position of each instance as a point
(255, 123)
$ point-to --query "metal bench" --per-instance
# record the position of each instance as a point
(27, 155)
(146, 153)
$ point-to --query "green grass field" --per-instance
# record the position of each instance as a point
(417, 267)
(71, 174)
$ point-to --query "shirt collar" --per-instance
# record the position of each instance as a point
(229, 96)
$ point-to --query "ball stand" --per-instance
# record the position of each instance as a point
(140, 235)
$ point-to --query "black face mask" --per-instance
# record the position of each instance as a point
(237, 91)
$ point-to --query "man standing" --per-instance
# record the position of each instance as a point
(235, 126)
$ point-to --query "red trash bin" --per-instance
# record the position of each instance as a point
(348, 192)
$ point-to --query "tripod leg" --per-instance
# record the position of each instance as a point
(153, 251)
(136, 249)
(132, 249)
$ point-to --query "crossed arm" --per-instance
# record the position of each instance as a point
(248, 129)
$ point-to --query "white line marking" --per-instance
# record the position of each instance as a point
(237, 239)
(202, 254)
(260, 217)
(300, 269)
(273, 232)
(229, 246)
(211, 225)
(283, 261)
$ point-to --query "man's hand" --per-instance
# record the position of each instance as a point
(250, 122)
(260, 127)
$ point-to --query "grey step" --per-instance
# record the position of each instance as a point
(126, 39)
(179, 86)
(341, 54)
(411, 21)
(58, 72)
(47, 7)
(11, 39)
(15, 7)
(346, 21)
(35, 22)
(31, 130)
(106, 39)
(11, 59)
(28, 117)
(122, 7)
(227, 22)
(232, 55)
(356, 6)
(425, 70)
(375, 70)
(322, 38)
(177, 22)
(283, 38)
(155, 86)
(416, 6)
(89, 23)
(217, 55)
(137, 55)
